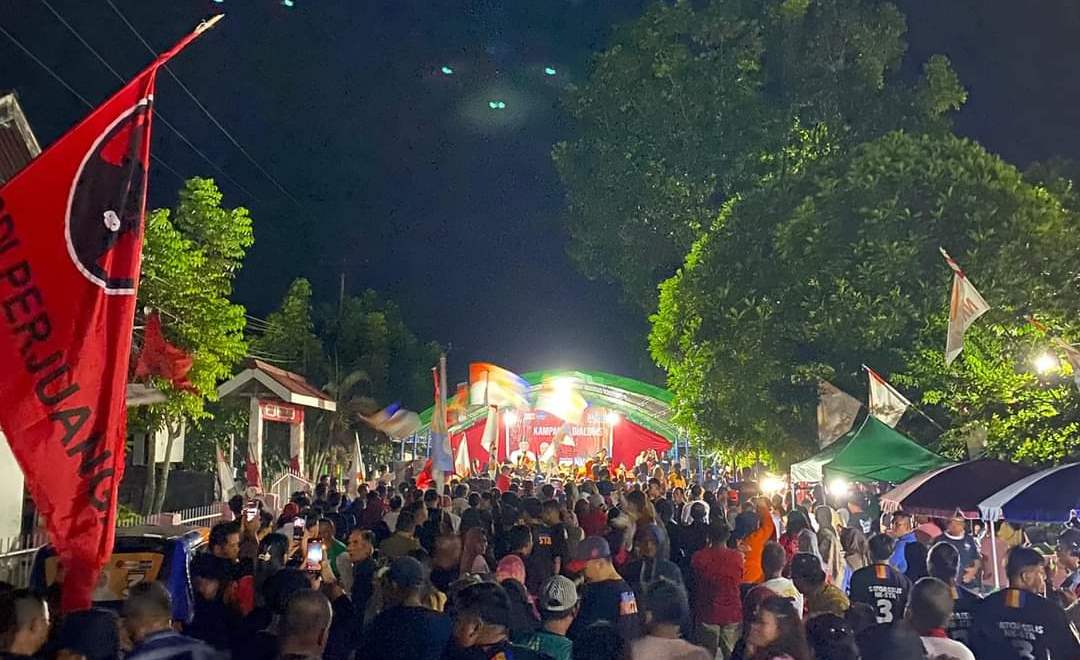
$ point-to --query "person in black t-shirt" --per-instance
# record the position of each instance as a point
(549, 543)
(405, 629)
(606, 596)
(943, 563)
(481, 629)
(1017, 623)
(956, 535)
(879, 585)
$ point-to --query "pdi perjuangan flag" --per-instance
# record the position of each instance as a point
(966, 305)
(71, 229)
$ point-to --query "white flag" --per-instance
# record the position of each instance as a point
(886, 403)
(836, 413)
(225, 476)
(490, 440)
(462, 464)
(357, 470)
(965, 306)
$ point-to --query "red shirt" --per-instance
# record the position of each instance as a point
(502, 482)
(594, 522)
(718, 572)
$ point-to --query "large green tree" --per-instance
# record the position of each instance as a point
(821, 271)
(694, 103)
(191, 255)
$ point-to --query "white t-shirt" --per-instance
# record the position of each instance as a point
(950, 648)
(785, 588)
(390, 518)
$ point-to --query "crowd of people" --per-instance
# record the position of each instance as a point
(644, 567)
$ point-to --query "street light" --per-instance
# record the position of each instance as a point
(1045, 363)
(839, 487)
(549, 71)
(447, 71)
(772, 485)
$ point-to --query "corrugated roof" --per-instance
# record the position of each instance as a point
(18, 146)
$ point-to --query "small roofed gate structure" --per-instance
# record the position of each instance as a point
(275, 395)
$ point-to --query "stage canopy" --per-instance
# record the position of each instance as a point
(879, 453)
(810, 470)
(643, 420)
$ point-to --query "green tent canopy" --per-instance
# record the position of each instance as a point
(646, 405)
(810, 470)
(879, 453)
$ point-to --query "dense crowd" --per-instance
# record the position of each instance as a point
(642, 567)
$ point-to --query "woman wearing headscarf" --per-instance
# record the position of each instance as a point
(832, 554)
(510, 573)
(474, 547)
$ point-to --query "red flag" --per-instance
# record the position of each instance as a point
(425, 480)
(160, 358)
(70, 240)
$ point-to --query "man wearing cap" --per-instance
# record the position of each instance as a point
(405, 629)
(956, 535)
(558, 603)
(606, 597)
(809, 579)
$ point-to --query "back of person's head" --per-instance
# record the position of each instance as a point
(664, 510)
(831, 638)
(601, 641)
(24, 619)
(930, 605)
(943, 562)
(890, 641)
(861, 616)
(666, 604)
(547, 491)
(773, 559)
(148, 609)
(92, 634)
(406, 522)
(881, 547)
(280, 587)
(1022, 559)
(519, 537)
(806, 568)
(396, 502)
(474, 499)
(698, 512)
(431, 498)
(718, 531)
(306, 620)
(236, 505)
(532, 506)
(551, 507)
(484, 602)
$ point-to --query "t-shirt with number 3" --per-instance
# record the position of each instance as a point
(883, 588)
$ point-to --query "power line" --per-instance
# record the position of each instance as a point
(64, 83)
(159, 115)
(202, 107)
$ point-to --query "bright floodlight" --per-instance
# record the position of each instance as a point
(1045, 363)
(447, 71)
(496, 104)
(288, 3)
(772, 485)
(839, 487)
(510, 417)
(549, 71)
(613, 418)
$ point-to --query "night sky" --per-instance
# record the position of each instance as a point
(410, 184)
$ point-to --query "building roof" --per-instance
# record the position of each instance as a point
(18, 146)
(262, 379)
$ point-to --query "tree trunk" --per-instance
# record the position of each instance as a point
(150, 487)
(163, 475)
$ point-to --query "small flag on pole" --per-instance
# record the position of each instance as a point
(225, 476)
(490, 440)
(966, 305)
(357, 469)
(886, 403)
(462, 464)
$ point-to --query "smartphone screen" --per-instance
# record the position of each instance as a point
(298, 528)
(314, 555)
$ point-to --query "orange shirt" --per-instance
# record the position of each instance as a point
(755, 545)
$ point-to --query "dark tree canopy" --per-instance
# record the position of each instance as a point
(823, 270)
(695, 103)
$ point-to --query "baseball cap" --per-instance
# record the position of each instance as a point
(557, 594)
(591, 547)
(406, 572)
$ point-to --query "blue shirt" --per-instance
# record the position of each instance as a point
(898, 561)
(169, 644)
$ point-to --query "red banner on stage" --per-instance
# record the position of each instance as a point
(70, 239)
